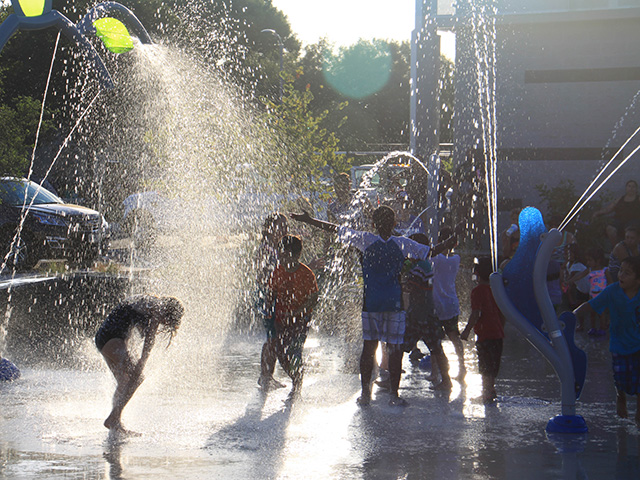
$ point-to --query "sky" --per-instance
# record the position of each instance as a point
(343, 22)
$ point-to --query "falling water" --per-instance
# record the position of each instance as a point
(484, 43)
(340, 296)
(594, 187)
(16, 238)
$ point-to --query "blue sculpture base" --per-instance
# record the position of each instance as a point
(8, 371)
(567, 424)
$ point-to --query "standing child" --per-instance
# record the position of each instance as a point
(488, 324)
(274, 228)
(446, 265)
(622, 300)
(422, 323)
(382, 316)
(293, 291)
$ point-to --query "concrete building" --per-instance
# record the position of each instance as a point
(566, 76)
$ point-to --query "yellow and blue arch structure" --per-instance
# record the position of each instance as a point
(39, 15)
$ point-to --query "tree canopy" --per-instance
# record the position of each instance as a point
(348, 98)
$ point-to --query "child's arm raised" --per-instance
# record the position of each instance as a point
(304, 217)
(448, 243)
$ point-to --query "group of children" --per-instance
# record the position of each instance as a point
(583, 278)
(386, 259)
(391, 265)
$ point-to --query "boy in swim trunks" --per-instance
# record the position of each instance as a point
(382, 317)
(293, 291)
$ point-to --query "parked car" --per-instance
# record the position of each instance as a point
(51, 228)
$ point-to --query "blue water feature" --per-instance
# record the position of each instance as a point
(517, 284)
(8, 371)
(522, 295)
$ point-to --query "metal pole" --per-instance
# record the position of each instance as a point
(425, 103)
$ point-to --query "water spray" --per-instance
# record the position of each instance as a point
(39, 15)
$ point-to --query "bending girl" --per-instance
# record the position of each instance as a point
(148, 314)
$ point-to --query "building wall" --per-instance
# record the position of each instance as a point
(567, 76)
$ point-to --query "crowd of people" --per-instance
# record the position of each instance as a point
(409, 296)
(601, 286)
(409, 287)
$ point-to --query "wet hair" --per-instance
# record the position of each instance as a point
(171, 312)
(270, 222)
(598, 256)
(634, 263)
(483, 268)
(384, 218)
(291, 244)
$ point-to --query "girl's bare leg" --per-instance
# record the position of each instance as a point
(459, 348)
(119, 362)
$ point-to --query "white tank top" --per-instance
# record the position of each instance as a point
(445, 269)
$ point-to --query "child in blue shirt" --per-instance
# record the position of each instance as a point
(622, 299)
(383, 318)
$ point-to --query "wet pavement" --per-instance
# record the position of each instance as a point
(201, 415)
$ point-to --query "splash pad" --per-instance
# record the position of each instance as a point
(202, 416)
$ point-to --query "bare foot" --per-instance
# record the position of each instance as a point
(621, 407)
(118, 428)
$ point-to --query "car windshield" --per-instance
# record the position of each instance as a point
(375, 180)
(12, 192)
(393, 173)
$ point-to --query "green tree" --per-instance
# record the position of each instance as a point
(19, 121)
(379, 120)
(446, 85)
(307, 145)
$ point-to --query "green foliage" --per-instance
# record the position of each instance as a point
(228, 33)
(446, 84)
(558, 199)
(375, 120)
(308, 146)
(19, 123)
(380, 120)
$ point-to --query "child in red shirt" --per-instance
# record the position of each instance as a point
(294, 291)
(488, 324)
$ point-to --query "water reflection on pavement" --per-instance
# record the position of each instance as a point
(202, 416)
